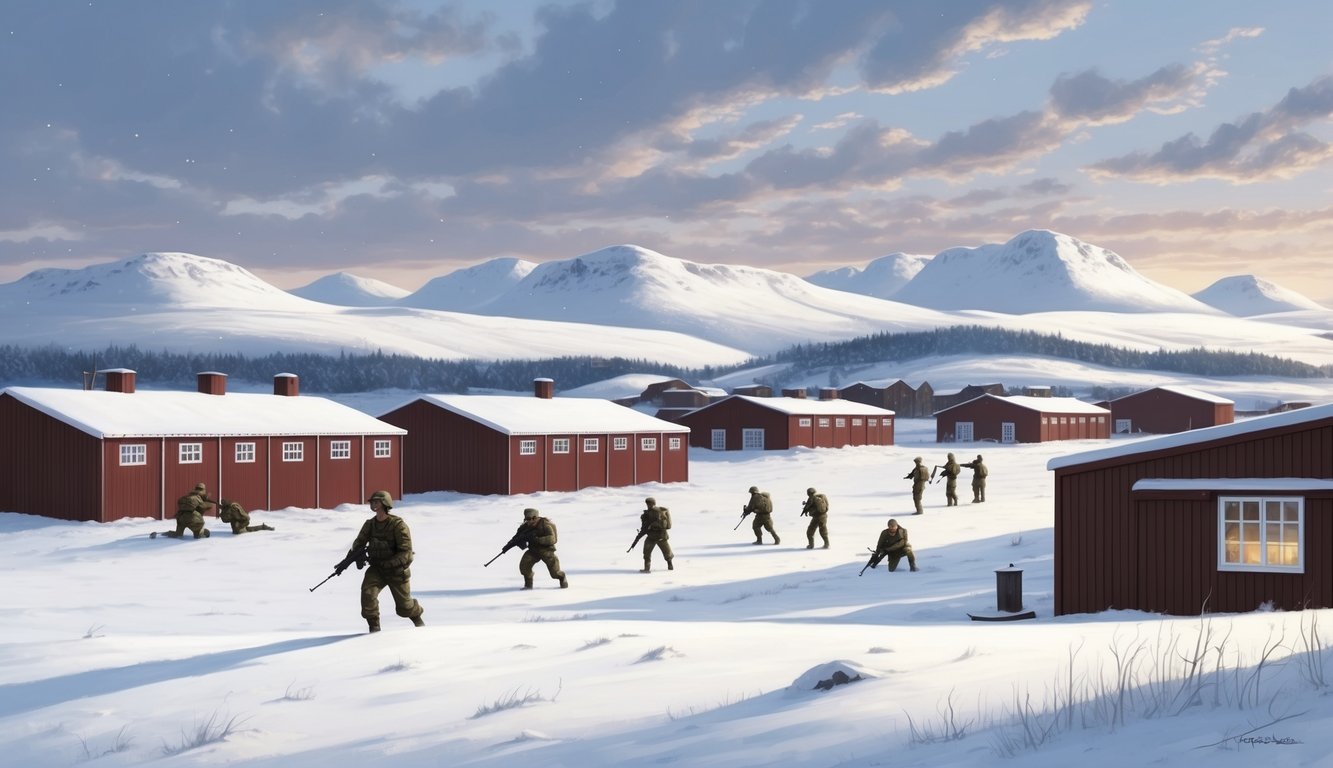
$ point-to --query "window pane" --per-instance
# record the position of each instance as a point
(1250, 510)
(1252, 553)
(1231, 510)
(1291, 511)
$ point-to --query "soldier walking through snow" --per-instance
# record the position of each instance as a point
(816, 506)
(761, 506)
(386, 544)
(541, 536)
(654, 524)
(919, 476)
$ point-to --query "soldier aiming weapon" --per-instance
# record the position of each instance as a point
(352, 557)
(521, 540)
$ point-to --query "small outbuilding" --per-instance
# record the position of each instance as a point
(1022, 419)
(1227, 518)
(509, 444)
(103, 455)
(1167, 409)
(741, 422)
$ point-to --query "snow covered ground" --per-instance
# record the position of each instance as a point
(121, 650)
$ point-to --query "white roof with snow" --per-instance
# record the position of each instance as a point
(1040, 404)
(150, 413)
(519, 415)
(799, 406)
(1197, 394)
(1194, 436)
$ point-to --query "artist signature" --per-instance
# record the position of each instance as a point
(1267, 740)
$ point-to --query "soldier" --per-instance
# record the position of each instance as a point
(540, 535)
(190, 510)
(951, 471)
(816, 506)
(387, 544)
(893, 545)
(979, 473)
(235, 515)
(919, 476)
(654, 523)
(761, 506)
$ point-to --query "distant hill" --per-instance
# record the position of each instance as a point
(348, 290)
(471, 288)
(881, 278)
(1247, 295)
(1040, 271)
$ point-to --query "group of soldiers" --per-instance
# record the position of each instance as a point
(190, 511)
(921, 477)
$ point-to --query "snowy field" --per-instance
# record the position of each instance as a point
(121, 650)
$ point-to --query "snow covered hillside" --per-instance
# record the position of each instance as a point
(1248, 295)
(881, 278)
(349, 290)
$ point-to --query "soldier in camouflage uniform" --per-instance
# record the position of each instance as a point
(654, 523)
(919, 476)
(190, 510)
(816, 506)
(979, 473)
(893, 545)
(235, 515)
(951, 471)
(541, 537)
(387, 544)
(761, 506)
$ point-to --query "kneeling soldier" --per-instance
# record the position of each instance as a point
(235, 515)
(893, 545)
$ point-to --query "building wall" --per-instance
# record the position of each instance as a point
(1161, 412)
(47, 467)
(134, 490)
(1105, 553)
(988, 415)
(736, 415)
(179, 479)
(245, 483)
(383, 473)
(293, 483)
(444, 451)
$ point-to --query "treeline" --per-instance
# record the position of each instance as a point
(978, 340)
(364, 372)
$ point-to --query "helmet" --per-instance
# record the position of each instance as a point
(951, 457)
(809, 491)
(650, 501)
(382, 497)
(978, 457)
(893, 523)
(754, 489)
(917, 459)
(200, 487)
(530, 513)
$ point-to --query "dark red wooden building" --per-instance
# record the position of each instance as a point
(509, 444)
(1226, 518)
(1166, 410)
(103, 455)
(747, 423)
(1022, 419)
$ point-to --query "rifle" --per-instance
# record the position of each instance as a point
(875, 557)
(520, 540)
(358, 557)
(642, 533)
(744, 511)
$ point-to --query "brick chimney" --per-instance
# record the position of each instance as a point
(796, 393)
(543, 388)
(287, 385)
(119, 380)
(212, 382)
(828, 393)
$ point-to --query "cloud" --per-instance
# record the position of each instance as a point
(1096, 100)
(1260, 146)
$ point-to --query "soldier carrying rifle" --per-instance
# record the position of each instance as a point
(761, 506)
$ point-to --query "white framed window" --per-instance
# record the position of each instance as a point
(803, 421)
(560, 445)
(673, 443)
(647, 443)
(719, 440)
(1064, 419)
(1123, 426)
(840, 422)
(1082, 419)
(1045, 420)
(382, 449)
(962, 431)
(620, 444)
(1007, 432)
(856, 422)
(823, 422)
(340, 449)
(1258, 533)
(293, 451)
(752, 439)
(245, 453)
(873, 423)
(527, 447)
(592, 445)
(133, 455)
(191, 453)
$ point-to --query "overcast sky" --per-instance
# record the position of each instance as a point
(402, 140)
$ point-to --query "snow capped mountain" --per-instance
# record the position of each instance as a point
(150, 280)
(1041, 271)
(349, 290)
(468, 289)
(745, 307)
(1247, 295)
(881, 278)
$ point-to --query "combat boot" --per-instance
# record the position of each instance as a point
(776, 540)
(564, 583)
(647, 567)
(373, 624)
(759, 540)
(810, 545)
(527, 582)
(417, 621)
(670, 565)
(825, 545)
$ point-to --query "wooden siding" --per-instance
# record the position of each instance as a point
(783, 430)
(245, 483)
(136, 490)
(444, 451)
(593, 467)
(384, 472)
(293, 483)
(1105, 553)
(989, 414)
(47, 467)
(647, 464)
(1161, 411)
